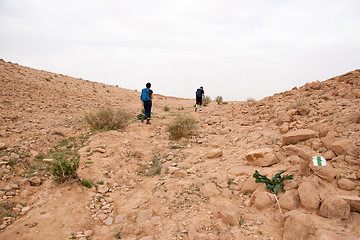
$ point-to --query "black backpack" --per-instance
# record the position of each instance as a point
(199, 93)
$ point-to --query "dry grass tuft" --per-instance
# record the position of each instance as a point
(181, 126)
(250, 99)
(206, 100)
(108, 119)
(219, 99)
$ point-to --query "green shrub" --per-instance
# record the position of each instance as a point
(206, 100)
(219, 99)
(108, 119)
(166, 108)
(65, 167)
(181, 126)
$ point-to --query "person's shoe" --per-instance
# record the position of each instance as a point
(200, 109)
(148, 122)
(195, 109)
(142, 118)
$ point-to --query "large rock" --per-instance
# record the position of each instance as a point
(323, 234)
(325, 172)
(344, 147)
(335, 207)
(288, 201)
(263, 200)
(353, 201)
(230, 213)
(309, 196)
(262, 157)
(295, 150)
(298, 136)
(250, 185)
(346, 184)
(298, 226)
(209, 190)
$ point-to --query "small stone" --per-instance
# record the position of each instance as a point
(35, 181)
(102, 189)
(88, 233)
(109, 221)
(2, 146)
(25, 209)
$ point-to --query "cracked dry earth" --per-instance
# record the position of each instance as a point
(149, 187)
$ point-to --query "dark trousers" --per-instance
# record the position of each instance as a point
(147, 108)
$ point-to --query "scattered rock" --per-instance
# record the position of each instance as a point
(298, 226)
(263, 200)
(323, 234)
(309, 196)
(250, 185)
(325, 172)
(262, 157)
(335, 207)
(346, 184)
(214, 153)
(109, 221)
(35, 181)
(345, 147)
(209, 189)
(144, 215)
(288, 201)
(2, 146)
(102, 189)
(298, 136)
(230, 213)
(353, 201)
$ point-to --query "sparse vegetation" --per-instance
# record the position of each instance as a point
(108, 119)
(181, 126)
(87, 183)
(250, 99)
(64, 166)
(219, 100)
(206, 100)
(166, 108)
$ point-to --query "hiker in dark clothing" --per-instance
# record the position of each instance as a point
(146, 96)
(199, 94)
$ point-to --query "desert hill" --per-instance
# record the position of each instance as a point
(146, 186)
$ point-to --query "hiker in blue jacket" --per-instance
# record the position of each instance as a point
(199, 94)
(146, 96)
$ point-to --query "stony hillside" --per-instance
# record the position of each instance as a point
(146, 186)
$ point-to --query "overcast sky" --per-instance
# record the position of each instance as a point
(233, 48)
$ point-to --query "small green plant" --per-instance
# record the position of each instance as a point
(155, 168)
(166, 108)
(276, 184)
(101, 182)
(117, 234)
(87, 183)
(219, 100)
(181, 126)
(206, 100)
(108, 119)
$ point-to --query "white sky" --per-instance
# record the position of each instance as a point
(233, 48)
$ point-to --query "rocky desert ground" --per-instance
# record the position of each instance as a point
(146, 186)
